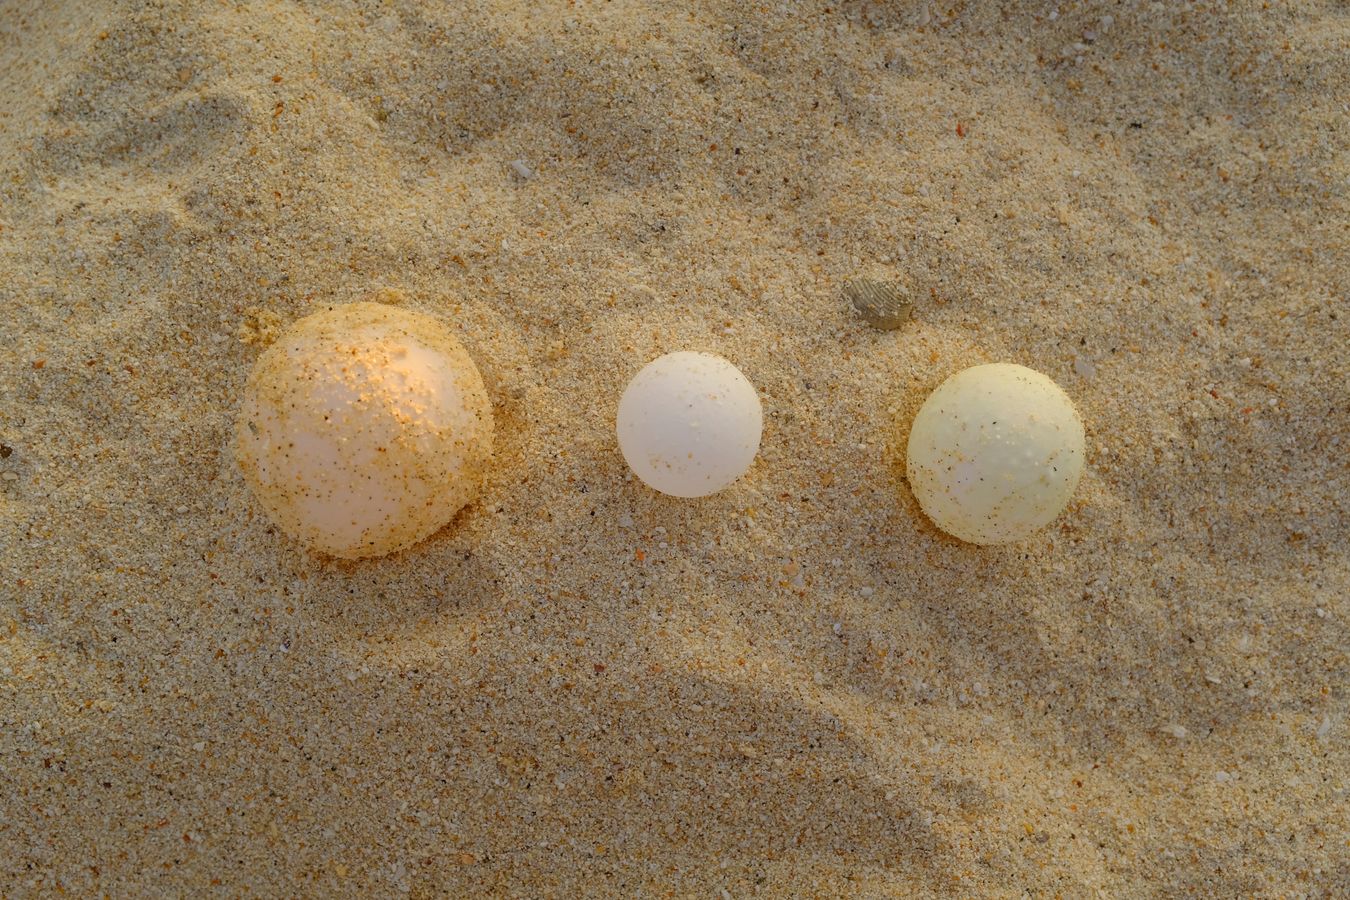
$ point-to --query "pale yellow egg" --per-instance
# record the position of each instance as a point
(364, 429)
(995, 453)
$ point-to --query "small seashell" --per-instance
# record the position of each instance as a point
(880, 303)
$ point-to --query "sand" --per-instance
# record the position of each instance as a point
(797, 687)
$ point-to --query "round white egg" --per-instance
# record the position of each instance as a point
(995, 453)
(364, 429)
(689, 424)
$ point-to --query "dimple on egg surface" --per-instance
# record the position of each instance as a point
(364, 429)
(995, 453)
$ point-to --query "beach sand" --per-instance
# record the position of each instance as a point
(797, 687)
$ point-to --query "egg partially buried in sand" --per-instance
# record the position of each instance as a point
(364, 429)
(689, 424)
(995, 452)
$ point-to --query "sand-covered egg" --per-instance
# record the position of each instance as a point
(995, 453)
(363, 429)
(689, 424)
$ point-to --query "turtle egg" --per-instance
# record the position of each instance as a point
(689, 424)
(994, 453)
(364, 429)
